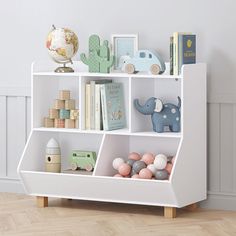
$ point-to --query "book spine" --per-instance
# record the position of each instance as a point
(92, 102)
(97, 108)
(104, 108)
(171, 55)
(180, 53)
(175, 44)
(87, 106)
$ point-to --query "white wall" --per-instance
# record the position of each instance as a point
(24, 25)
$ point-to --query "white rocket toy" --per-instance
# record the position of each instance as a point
(53, 156)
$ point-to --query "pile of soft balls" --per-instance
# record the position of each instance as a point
(147, 166)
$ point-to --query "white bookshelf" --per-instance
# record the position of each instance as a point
(187, 183)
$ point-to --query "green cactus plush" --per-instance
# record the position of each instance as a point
(104, 58)
(94, 45)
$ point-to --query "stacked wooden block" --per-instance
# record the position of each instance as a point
(63, 114)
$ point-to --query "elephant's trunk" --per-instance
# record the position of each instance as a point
(140, 108)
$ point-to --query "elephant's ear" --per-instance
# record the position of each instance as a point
(159, 105)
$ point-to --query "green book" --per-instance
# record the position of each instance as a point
(171, 56)
(113, 110)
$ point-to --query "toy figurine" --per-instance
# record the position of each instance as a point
(53, 156)
(162, 114)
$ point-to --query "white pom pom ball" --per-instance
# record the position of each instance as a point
(160, 161)
(152, 168)
(117, 162)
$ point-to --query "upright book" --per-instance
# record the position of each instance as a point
(187, 50)
(93, 100)
(113, 110)
(176, 50)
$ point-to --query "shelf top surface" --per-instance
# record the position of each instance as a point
(113, 74)
(113, 132)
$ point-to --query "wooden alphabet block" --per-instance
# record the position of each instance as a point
(74, 114)
(70, 104)
(59, 123)
(64, 94)
(53, 113)
(48, 123)
(64, 114)
(69, 124)
(59, 104)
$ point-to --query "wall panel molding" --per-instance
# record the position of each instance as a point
(14, 129)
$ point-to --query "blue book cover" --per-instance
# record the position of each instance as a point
(187, 50)
(113, 111)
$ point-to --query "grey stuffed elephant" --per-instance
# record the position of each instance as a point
(162, 115)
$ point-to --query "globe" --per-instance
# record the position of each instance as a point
(62, 45)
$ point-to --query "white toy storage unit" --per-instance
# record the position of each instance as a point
(187, 182)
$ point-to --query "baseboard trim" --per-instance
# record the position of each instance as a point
(220, 201)
(11, 186)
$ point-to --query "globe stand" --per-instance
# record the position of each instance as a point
(64, 69)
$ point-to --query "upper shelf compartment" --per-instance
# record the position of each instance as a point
(45, 93)
(143, 88)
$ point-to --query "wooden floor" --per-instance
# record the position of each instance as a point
(20, 216)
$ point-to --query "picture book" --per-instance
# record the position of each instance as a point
(187, 50)
(113, 110)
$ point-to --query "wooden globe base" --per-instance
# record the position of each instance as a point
(64, 69)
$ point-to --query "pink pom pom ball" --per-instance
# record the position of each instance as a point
(136, 176)
(169, 167)
(134, 156)
(117, 162)
(124, 169)
(148, 158)
(152, 168)
(145, 174)
(118, 175)
(160, 161)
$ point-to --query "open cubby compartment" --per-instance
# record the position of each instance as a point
(121, 145)
(46, 90)
(166, 89)
(117, 79)
(34, 154)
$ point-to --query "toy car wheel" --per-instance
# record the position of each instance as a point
(74, 166)
(129, 68)
(155, 69)
(89, 167)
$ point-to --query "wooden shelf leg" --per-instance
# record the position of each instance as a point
(169, 212)
(42, 201)
(192, 207)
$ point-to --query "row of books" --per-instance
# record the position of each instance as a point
(104, 105)
(182, 51)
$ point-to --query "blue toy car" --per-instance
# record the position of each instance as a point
(145, 60)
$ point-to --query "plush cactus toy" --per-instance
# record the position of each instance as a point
(94, 45)
(99, 58)
(104, 58)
